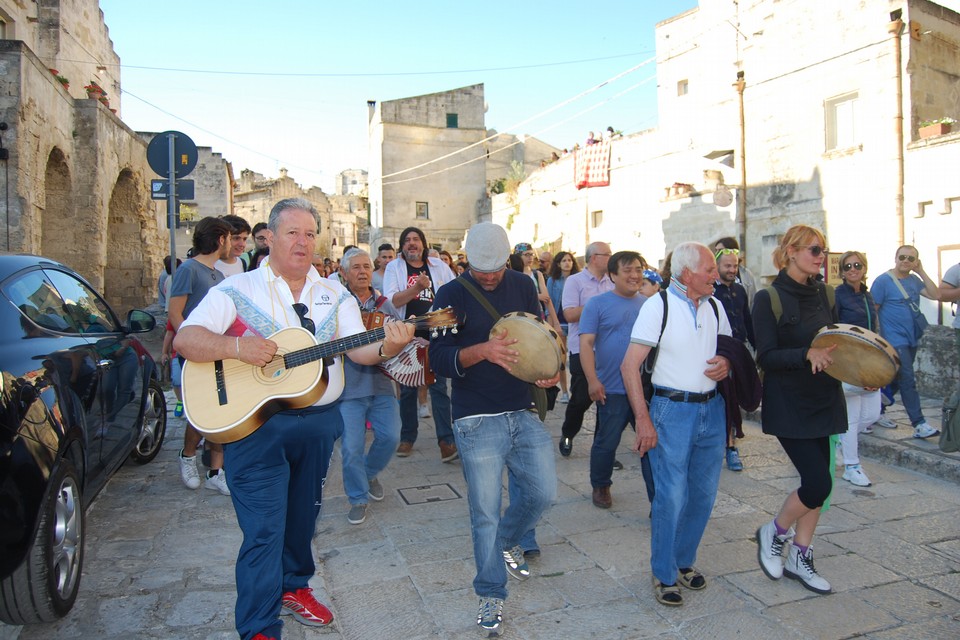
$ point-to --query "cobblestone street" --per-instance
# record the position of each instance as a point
(160, 557)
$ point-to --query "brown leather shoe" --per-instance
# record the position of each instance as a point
(448, 452)
(404, 449)
(601, 497)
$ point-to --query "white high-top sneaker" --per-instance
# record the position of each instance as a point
(800, 567)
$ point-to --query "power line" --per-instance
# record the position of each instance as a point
(377, 73)
(523, 122)
(215, 135)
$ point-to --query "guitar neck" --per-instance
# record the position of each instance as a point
(331, 349)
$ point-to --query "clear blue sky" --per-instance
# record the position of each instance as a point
(285, 84)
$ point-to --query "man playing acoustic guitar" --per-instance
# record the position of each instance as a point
(277, 471)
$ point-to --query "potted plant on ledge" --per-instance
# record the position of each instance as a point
(94, 91)
(938, 127)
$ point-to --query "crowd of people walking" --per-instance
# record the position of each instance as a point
(674, 351)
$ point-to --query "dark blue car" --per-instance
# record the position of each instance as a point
(78, 396)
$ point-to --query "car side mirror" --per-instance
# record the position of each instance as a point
(140, 321)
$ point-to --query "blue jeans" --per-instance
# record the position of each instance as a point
(383, 412)
(518, 441)
(691, 439)
(613, 416)
(276, 483)
(906, 384)
(410, 418)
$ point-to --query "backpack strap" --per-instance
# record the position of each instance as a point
(775, 304)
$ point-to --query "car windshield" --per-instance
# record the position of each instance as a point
(39, 300)
(57, 301)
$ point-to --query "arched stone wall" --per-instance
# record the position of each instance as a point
(123, 277)
(58, 224)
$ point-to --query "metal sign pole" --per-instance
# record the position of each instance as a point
(172, 201)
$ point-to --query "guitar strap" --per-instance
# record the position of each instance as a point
(256, 320)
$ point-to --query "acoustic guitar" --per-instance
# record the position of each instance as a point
(227, 400)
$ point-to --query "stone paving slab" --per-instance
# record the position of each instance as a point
(892, 551)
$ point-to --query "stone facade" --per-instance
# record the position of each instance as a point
(351, 182)
(432, 167)
(820, 115)
(77, 180)
(340, 216)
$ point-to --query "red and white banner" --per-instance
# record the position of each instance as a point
(591, 166)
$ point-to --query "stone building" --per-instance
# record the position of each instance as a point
(254, 195)
(833, 98)
(350, 182)
(76, 181)
(433, 163)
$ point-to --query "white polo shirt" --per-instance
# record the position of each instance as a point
(689, 340)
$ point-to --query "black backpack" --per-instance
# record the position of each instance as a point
(646, 369)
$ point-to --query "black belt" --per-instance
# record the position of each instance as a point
(684, 396)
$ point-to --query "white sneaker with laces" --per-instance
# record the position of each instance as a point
(424, 411)
(886, 423)
(770, 549)
(188, 471)
(854, 474)
(924, 430)
(218, 482)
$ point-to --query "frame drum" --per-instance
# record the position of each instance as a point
(862, 358)
(541, 348)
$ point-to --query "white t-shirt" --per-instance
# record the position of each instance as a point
(228, 269)
(688, 340)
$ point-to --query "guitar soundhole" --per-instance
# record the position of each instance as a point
(273, 371)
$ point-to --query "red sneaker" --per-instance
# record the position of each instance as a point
(260, 636)
(304, 607)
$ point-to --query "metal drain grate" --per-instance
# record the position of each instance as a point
(429, 493)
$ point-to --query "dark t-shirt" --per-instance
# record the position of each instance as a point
(423, 302)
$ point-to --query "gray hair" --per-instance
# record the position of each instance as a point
(288, 204)
(687, 255)
(348, 257)
(592, 248)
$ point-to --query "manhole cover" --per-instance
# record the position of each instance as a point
(429, 493)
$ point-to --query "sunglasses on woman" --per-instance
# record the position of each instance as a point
(814, 249)
(852, 265)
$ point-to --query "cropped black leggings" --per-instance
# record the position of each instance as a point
(811, 457)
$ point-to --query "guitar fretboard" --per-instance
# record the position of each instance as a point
(330, 349)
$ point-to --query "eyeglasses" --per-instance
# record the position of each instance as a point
(907, 258)
(852, 265)
(726, 252)
(260, 238)
(305, 322)
(527, 254)
(814, 249)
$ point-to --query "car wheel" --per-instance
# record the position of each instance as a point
(44, 587)
(154, 425)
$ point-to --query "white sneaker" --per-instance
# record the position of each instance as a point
(854, 474)
(188, 471)
(886, 423)
(218, 482)
(564, 398)
(800, 567)
(424, 411)
(924, 430)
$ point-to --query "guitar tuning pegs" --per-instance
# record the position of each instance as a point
(454, 330)
(434, 333)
